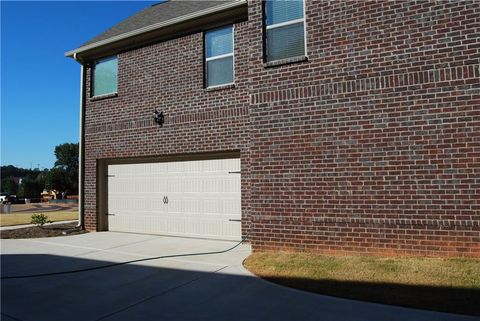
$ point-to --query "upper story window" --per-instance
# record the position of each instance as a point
(284, 29)
(105, 75)
(219, 57)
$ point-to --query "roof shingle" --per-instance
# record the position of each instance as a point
(157, 13)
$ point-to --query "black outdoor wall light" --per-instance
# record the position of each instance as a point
(159, 118)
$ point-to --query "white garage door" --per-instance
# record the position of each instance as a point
(189, 198)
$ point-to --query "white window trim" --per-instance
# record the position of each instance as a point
(232, 54)
(219, 57)
(291, 22)
(286, 23)
(221, 85)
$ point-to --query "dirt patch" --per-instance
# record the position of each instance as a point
(38, 232)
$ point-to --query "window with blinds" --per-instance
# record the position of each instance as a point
(105, 76)
(219, 57)
(284, 29)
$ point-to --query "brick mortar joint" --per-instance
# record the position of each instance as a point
(146, 122)
(368, 84)
(368, 221)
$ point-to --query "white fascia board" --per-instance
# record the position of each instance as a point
(156, 26)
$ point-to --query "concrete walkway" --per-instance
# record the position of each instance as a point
(205, 287)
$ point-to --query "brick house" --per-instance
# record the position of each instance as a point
(334, 127)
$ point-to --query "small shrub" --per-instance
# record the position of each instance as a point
(40, 219)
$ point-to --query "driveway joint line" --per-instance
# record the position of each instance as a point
(136, 242)
(106, 316)
(147, 256)
(79, 246)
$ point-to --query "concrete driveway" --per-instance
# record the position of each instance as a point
(209, 287)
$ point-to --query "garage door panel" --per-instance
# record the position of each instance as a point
(232, 207)
(203, 196)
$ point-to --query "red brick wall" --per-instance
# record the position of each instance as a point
(371, 146)
(167, 76)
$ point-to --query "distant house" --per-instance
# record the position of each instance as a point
(334, 127)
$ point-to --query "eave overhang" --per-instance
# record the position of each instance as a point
(201, 20)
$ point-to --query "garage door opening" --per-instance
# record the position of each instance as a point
(198, 198)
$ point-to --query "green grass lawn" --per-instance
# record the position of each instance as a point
(25, 218)
(449, 285)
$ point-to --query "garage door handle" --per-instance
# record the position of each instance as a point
(232, 220)
(108, 214)
(165, 200)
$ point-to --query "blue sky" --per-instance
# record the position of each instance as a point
(39, 86)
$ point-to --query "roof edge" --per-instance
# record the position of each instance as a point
(156, 26)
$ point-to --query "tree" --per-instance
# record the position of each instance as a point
(63, 176)
(67, 159)
(41, 178)
(9, 186)
(31, 187)
(67, 156)
(12, 171)
(57, 178)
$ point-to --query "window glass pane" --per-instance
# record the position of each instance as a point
(278, 11)
(285, 42)
(105, 77)
(220, 71)
(219, 42)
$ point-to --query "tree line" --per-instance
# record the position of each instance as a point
(30, 183)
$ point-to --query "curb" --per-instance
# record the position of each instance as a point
(14, 227)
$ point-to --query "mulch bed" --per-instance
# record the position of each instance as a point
(38, 232)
